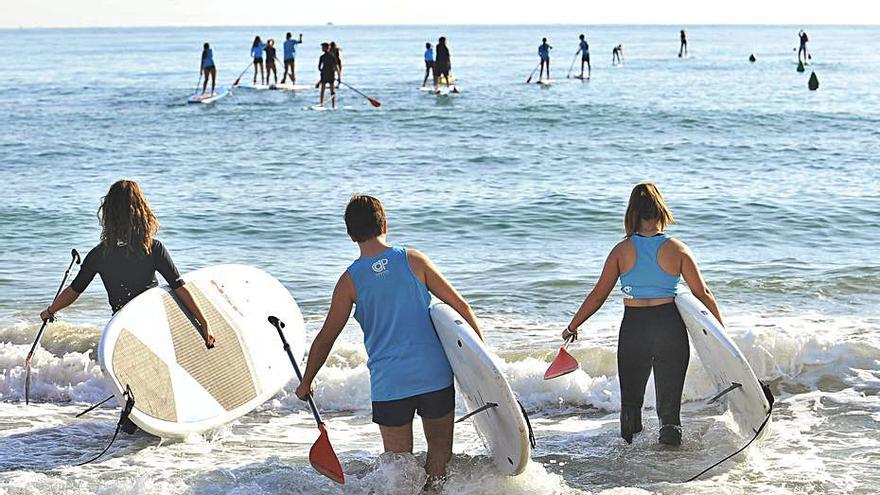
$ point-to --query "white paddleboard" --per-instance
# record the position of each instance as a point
(503, 428)
(291, 87)
(319, 108)
(546, 82)
(725, 364)
(179, 386)
(208, 97)
(254, 87)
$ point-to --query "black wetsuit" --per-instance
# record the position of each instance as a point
(126, 274)
(270, 56)
(442, 63)
(327, 64)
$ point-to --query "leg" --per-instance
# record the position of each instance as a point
(333, 105)
(213, 80)
(255, 73)
(397, 439)
(293, 71)
(633, 370)
(582, 67)
(589, 68)
(548, 68)
(671, 357)
(205, 85)
(438, 433)
(323, 87)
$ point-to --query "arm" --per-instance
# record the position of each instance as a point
(187, 299)
(437, 284)
(337, 317)
(80, 283)
(165, 266)
(64, 299)
(597, 297)
(694, 279)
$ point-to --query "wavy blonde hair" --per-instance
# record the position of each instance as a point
(646, 203)
(126, 217)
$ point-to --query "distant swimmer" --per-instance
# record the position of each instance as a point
(290, 57)
(429, 63)
(208, 68)
(649, 264)
(442, 63)
(270, 61)
(585, 57)
(328, 67)
(337, 54)
(683, 49)
(617, 55)
(257, 54)
(802, 51)
(544, 53)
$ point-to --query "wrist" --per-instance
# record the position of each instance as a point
(50, 312)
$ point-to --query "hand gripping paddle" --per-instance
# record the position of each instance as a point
(322, 456)
(563, 364)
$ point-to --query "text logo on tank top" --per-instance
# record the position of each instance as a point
(627, 291)
(380, 266)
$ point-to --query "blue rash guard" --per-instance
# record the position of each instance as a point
(290, 49)
(585, 47)
(405, 357)
(257, 51)
(429, 55)
(544, 51)
(646, 279)
(207, 58)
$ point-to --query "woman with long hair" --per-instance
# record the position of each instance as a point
(128, 257)
(650, 265)
(257, 53)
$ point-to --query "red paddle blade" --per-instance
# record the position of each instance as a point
(324, 459)
(563, 364)
(374, 102)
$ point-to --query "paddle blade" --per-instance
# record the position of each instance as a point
(563, 364)
(374, 102)
(324, 459)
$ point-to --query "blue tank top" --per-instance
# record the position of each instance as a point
(405, 357)
(646, 280)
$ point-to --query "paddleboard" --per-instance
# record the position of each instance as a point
(582, 78)
(208, 97)
(291, 87)
(725, 365)
(254, 87)
(179, 386)
(503, 428)
(545, 82)
(319, 108)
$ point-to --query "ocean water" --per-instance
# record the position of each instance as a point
(516, 191)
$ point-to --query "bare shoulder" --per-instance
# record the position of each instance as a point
(345, 286)
(621, 248)
(678, 246)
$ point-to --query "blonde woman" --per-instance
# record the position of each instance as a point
(650, 265)
(128, 256)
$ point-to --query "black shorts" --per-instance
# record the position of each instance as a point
(329, 79)
(258, 60)
(209, 68)
(440, 71)
(429, 64)
(289, 61)
(585, 58)
(431, 405)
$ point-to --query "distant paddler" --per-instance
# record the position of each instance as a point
(328, 66)
(337, 54)
(544, 54)
(208, 68)
(442, 64)
(429, 63)
(683, 48)
(617, 55)
(290, 57)
(584, 50)
(270, 61)
(257, 53)
(803, 54)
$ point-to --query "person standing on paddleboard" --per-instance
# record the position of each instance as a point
(327, 66)
(683, 48)
(544, 53)
(128, 257)
(802, 49)
(650, 265)
(208, 68)
(257, 54)
(390, 288)
(617, 55)
(337, 54)
(429, 63)
(290, 57)
(584, 49)
(270, 61)
(442, 64)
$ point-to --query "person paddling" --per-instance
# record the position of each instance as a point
(544, 53)
(128, 257)
(290, 57)
(802, 49)
(617, 55)
(650, 265)
(337, 54)
(390, 288)
(429, 63)
(584, 50)
(683, 48)
(327, 66)
(270, 61)
(257, 53)
(442, 64)
(208, 68)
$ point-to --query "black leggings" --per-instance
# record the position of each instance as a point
(653, 337)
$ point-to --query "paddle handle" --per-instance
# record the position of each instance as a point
(278, 324)
(75, 259)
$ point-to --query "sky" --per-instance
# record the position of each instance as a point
(129, 13)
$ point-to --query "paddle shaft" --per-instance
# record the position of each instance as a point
(30, 353)
(296, 369)
(242, 73)
(570, 67)
(357, 91)
(533, 73)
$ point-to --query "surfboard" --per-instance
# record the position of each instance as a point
(208, 97)
(152, 347)
(291, 87)
(725, 364)
(501, 423)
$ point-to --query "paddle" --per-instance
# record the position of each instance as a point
(30, 354)
(322, 456)
(563, 364)
(235, 84)
(571, 67)
(198, 83)
(529, 80)
(372, 101)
